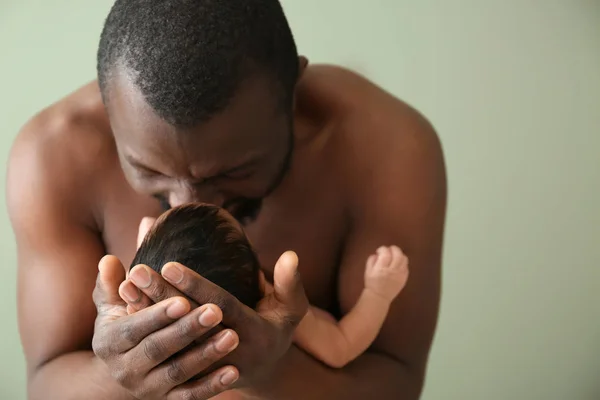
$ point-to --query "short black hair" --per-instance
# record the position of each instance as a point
(200, 237)
(188, 57)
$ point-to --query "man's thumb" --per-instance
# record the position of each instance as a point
(106, 294)
(289, 291)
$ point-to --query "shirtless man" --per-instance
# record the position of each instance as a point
(208, 101)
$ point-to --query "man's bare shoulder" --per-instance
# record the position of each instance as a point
(60, 151)
(374, 131)
(364, 108)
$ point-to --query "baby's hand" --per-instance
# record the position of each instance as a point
(386, 272)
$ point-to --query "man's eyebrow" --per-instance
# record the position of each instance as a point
(134, 162)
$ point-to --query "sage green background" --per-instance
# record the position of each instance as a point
(513, 88)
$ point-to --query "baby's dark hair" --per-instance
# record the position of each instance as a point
(202, 238)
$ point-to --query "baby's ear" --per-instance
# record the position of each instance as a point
(145, 225)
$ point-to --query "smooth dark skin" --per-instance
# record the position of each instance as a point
(367, 171)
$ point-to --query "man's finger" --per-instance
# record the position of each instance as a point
(136, 300)
(106, 293)
(154, 285)
(207, 387)
(291, 303)
(164, 343)
(128, 331)
(203, 291)
(195, 360)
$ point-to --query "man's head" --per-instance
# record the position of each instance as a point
(200, 96)
(209, 241)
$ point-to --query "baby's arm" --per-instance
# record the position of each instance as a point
(338, 343)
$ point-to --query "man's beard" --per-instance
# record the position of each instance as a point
(247, 209)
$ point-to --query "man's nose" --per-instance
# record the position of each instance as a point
(205, 194)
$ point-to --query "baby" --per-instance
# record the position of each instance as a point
(210, 241)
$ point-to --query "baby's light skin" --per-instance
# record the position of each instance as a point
(336, 343)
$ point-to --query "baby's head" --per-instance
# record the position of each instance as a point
(208, 240)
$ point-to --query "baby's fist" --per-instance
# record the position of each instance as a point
(387, 272)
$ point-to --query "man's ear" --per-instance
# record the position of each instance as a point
(302, 65)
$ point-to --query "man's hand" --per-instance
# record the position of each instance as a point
(142, 350)
(265, 335)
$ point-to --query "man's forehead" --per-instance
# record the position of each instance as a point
(129, 113)
(253, 102)
(240, 132)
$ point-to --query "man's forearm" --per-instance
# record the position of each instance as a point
(75, 376)
(371, 376)
(80, 375)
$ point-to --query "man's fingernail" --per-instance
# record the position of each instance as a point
(131, 293)
(226, 342)
(176, 309)
(140, 277)
(172, 273)
(208, 318)
(228, 377)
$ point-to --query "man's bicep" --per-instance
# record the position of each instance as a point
(57, 258)
(55, 309)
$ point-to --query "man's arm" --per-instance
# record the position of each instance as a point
(57, 256)
(405, 206)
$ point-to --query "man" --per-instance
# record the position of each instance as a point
(208, 101)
